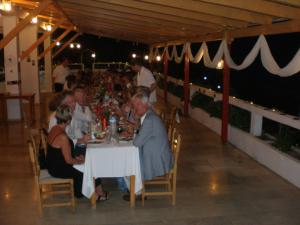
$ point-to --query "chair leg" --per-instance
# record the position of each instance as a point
(174, 191)
(143, 195)
(72, 197)
(40, 199)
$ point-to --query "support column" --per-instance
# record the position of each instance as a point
(29, 66)
(12, 77)
(48, 67)
(166, 64)
(225, 100)
(186, 84)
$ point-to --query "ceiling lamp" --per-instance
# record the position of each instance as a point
(48, 27)
(146, 57)
(34, 20)
(6, 5)
(158, 58)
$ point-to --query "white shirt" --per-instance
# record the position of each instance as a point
(146, 78)
(143, 118)
(60, 73)
(80, 120)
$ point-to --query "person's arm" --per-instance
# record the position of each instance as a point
(144, 134)
(66, 151)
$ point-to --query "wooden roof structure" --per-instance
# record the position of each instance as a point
(161, 22)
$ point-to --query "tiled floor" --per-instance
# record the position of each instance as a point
(217, 185)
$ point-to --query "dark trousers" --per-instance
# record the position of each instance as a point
(70, 172)
(58, 87)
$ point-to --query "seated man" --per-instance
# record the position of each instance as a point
(155, 154)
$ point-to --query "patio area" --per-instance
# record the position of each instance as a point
(217, 184)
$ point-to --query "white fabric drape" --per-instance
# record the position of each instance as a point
(261, 46)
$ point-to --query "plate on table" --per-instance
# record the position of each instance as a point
(96, 141)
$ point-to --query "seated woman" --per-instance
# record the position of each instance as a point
(59, 159)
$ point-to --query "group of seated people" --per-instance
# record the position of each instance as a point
(69, 126)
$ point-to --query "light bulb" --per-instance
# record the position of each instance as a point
(78, 46)
(34, 20)
(58, 43)
(220, 64)
(48, 27)
(71, 45)
(146, 57)
(158, 58)
(133, 55)
(93, 55)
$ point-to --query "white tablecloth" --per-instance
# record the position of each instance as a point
(108, 160)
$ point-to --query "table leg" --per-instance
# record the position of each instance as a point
(132, 191)
(93, 200)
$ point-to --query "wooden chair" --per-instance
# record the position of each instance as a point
(168, 180)
(48, 185)
(172, 116)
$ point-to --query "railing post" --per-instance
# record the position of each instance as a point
(186, 84)
(225, 99)
(166, 64)
(256, 124)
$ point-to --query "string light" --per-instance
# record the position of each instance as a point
(133, 55)
(219, 86)
(220, 64)
(93, 55)
(71, 45)
(205, 78)
(57, 43)
(78, 46)
(158, 58)
(146, 57)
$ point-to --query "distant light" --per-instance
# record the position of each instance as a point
(220, 64)
(71, 45)
(34, 20)
(133, 55)
(57, 43)
(146, 57)
(48, 27)
(158, 58)
(205, 78)
(191, 83)
(273, 110)
(251, 103)
(78, 46)
(233, 97)
(93, 55)
(219, 86)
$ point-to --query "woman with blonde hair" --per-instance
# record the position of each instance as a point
(59, 155)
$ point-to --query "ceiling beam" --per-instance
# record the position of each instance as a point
(264, 7)
(114, 14)
(269, 29)
(39, 41)
(65, 33)
(65, 45)
(213, 9)
(162, 12)
(21, 25)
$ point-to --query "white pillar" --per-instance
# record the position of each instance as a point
(29, 66)
(256, 124)
(12, 76)
(48, 66)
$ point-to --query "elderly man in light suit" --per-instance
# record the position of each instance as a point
(152, 140)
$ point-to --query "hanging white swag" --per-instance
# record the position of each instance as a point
(261, 46)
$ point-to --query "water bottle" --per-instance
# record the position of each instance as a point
(113, 127)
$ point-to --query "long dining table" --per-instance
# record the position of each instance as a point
(110, 160)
